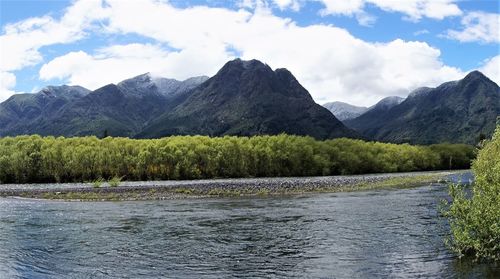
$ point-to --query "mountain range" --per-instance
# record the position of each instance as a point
(248, 98)
(457, 112)
(244, 98)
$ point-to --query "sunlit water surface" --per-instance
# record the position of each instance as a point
(382, 233)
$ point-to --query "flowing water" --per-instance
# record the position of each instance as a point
(371, 234)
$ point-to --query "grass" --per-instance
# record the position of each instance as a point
(115, 181)
(97, 183)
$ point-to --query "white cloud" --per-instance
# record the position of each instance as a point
(421, 32)
(348, 7)
(21, 41)
(330, 62)
(284, 4)
(7, 81)
(413, 10)
(294, 5)
(118, 62)
(491, 69)
(478, 27)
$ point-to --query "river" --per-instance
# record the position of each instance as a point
(370, 234)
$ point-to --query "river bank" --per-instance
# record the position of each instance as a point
(158, 190)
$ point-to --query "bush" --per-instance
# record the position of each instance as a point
(35, 159)
(475, 220)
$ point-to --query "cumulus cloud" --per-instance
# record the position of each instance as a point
(491, 68)
(330, 62)
(478, 27)
(7, 81)
(413, 10)
(118, 62)
(21, 41)
(291, 4)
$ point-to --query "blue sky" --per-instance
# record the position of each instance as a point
(357, 51)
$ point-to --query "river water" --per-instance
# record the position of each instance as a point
(370, 234)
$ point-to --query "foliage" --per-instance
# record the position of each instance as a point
(115, 181)
(97, 183)
(35, 159)
(475, 220)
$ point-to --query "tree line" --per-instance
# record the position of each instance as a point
(36, 159)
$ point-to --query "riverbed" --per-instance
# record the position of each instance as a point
(175, 189)
(370, 234)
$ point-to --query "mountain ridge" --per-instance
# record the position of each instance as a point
(248, 98)
(456, 111)
(243, 98)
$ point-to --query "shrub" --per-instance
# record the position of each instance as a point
(475, 218)
(33, 159)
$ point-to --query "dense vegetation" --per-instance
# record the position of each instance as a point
(475, 221)
(27, 159)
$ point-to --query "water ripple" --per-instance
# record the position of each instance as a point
(373, 234)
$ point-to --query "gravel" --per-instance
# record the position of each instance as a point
(204, 186)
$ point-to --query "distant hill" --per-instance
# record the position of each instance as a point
(456, 112)
(344, 111)
(248, 98)
(243, 98)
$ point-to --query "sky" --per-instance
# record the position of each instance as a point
(355, 51)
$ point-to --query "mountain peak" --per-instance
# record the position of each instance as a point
(248, 98)
(344, 111)
(475, 75)
(243, 65)
(64, 91)
(387, 103)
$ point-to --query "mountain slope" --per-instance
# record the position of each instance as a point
(370, 118)
(123, 109)
(118, 110)
(20, 113)
(344, 111)
(457, 111)
(248, 98)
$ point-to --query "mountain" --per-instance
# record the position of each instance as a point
(248, 98)
(386, 104)
(20, 113)
(119, 110)
(456, 111)
(150, 84)
(344, 111)
(243, 98)
(123, 109)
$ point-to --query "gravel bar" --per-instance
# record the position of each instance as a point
(274, 184)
